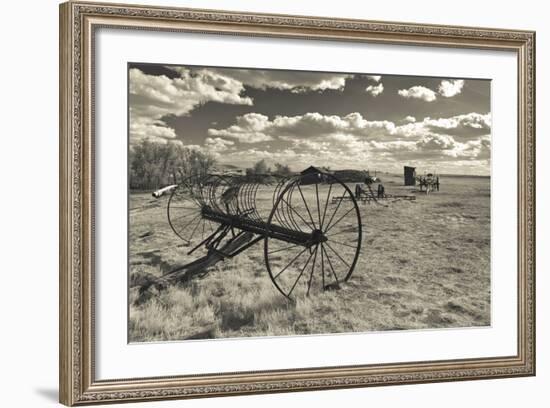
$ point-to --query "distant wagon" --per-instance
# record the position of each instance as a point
(429, 182)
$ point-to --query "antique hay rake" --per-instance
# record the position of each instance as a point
(311, 242)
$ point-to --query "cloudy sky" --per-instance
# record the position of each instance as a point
(358, 121)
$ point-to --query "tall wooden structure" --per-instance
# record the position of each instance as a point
(410, 175)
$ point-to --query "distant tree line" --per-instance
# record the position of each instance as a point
(348, 176)
(154, 165)
(261, 168)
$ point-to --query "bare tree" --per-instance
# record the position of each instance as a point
(153, 165)
(282, 170)
(261, 167)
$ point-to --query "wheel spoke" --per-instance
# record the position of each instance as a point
(312, 270)
(338, 255)
(183, 216)
(290, 263)
(318, 205)
(336, 210)
(185, 197)
(323, 266)
(195, 229)
(297, 213)
(293, 223)
(342, 243)
(300, 275)
(339, 219)
(282, 249)
(307, 208)
(326, 206)
(344, 231)
(330, 264)
(189, 223)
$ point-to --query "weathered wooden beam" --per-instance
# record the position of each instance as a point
(197, 268)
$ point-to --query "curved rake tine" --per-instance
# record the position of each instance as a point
(195, 189)
(207, 192)
(234, 202)
(298, 214)
(238, 206)
(285, 214)
(241, 197)
(283, 210)
(211, 196)
(251, 202)
(293, 224)
(276, 192)
(215, 201)
(297, 225)
(259, 217)
(244, 198)
(274, 200)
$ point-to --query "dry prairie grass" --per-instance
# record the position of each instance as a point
(423, 264)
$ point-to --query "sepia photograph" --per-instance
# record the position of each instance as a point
(265, 202)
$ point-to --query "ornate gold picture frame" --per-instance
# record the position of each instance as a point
(78, 24)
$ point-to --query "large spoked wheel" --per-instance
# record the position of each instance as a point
(185, 215)
(323, 206)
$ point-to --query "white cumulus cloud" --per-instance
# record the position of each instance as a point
(152, 97)
(375, 90)
(250, 128)
(450, 88)
(294, 81)
(467, 125)
(418, 92)
(256, 127)
(375, 78)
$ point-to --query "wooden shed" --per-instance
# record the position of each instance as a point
(313, 175)
(410, 176)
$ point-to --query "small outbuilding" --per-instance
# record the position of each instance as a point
(410, 176)
(314, 175)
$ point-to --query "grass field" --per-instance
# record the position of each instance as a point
(423, 264)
